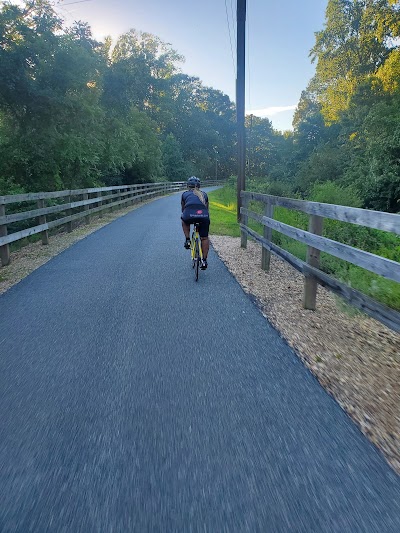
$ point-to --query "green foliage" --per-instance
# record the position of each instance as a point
(223, 215)
(356, 41)
(223, 219)
(173, 162)
(262, 152)
(74, 114)
(375, 170)
(331, 193)
(146, 164)
(324, 164)
(78, 113)
(346, 126)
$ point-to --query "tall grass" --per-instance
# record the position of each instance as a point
(222, 206)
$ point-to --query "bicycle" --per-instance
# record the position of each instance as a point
(195, 250)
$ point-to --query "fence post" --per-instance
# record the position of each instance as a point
(100, 203)
(42, 220)
(244, 219)
(69, 213)
(313, 255)
(266, 254)
(5, 249)
(134, 194)
(125, 197)
(86, 208)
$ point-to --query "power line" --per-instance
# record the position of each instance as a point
(77, 2)
(248, 54)
(230, 36)
(233, 14)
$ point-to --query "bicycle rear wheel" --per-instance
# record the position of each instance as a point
(196, 261)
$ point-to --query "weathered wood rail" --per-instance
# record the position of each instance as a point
(316, 243)
(75, 205)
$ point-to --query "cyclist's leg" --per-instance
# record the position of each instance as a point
(186, 229)
(205, 243)
(205, 246)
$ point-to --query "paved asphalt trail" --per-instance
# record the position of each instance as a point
(134, 399)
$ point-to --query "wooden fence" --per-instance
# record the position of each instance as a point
(52, 209)
(316, 243)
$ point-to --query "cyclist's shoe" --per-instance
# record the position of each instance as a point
(204, 264)
(187, 244)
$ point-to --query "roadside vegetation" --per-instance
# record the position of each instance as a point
(224, 222)
(77, 113)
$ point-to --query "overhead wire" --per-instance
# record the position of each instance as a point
(68, 13)
(77, 2)
(234, 21)
(248, 55)
(230, 37)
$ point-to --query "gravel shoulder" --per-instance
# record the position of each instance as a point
(355, 358)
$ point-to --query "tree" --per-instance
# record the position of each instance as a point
(309, 125)
(140, 64)
(172, 158)
(375, 170)
(76, 113)
(358, 37)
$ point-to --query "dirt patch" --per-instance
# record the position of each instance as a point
(354, 357)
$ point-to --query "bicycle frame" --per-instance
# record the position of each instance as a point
(196, 250)
(195, 238)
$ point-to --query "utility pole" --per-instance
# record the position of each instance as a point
(240, 99)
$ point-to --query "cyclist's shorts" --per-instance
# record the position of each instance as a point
(193, 216)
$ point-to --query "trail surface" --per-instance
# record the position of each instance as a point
(134, 399)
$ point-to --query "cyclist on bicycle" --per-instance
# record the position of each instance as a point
(194, 204)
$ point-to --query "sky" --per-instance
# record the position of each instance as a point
(279, 35)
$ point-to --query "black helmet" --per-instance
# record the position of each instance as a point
(193, 182)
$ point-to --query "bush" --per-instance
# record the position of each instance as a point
(332, 193)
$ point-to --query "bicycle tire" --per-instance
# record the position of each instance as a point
(192, 251)
(197, 262)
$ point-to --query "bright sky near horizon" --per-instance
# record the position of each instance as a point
(280, 34)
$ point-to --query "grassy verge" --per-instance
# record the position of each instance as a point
(223, 222)
(222, 204)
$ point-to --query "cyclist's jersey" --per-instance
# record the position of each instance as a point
(190, 200)
(194, 210)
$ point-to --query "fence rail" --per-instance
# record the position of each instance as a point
(316, 243)
(76, 204)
